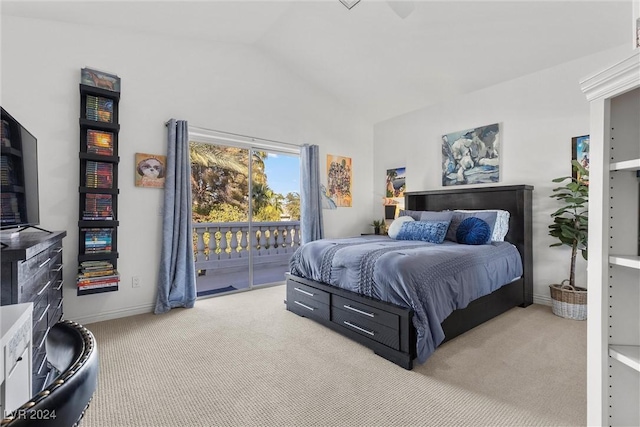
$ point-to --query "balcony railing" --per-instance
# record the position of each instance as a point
(225, 246)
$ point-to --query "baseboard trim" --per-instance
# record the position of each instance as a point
(114, 314)
(148, 308)
(543, 300)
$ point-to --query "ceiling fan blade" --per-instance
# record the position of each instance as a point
(402, 8)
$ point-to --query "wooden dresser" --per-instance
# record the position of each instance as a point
(32, 272)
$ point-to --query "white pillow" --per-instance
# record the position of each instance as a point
(396, 225)
(502, 223)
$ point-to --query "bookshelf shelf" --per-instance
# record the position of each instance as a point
(93, 124)
(98, 191)
(97, 257)
(93, 190)
(99, 158)
(627, 354)
(97, 291)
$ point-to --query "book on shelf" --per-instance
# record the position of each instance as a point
(99, 109)
(98, 285)
(99, 142)
(95, 265)
(97, 273)
(98, 279)
(99, 174)
(98, 207)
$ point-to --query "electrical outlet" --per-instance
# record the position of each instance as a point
(135, 282)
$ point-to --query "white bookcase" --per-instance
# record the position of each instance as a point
(613, 326)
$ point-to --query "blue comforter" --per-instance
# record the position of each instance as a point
(432, 279)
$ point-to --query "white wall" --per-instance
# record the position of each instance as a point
(227, 87)
(539, 113)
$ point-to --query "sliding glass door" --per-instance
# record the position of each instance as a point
(246, 211)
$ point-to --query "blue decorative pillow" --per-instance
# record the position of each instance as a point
(459, 216)
(473, 231)
(427, 231)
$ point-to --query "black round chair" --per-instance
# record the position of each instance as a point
(72, 350)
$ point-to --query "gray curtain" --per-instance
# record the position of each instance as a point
(310, 197)
(177, 277)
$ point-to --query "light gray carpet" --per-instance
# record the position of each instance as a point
(243, 360)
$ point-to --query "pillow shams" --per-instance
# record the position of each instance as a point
(436, 216)
(459, 216)
(413, 214)
(427, 231)
(501, 227)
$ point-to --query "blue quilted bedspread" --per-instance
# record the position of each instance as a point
(433, 279)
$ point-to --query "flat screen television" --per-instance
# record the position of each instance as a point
(19, 202)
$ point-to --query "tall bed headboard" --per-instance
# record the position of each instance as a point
(517, 199)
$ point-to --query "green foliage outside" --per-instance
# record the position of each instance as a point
(220, 183)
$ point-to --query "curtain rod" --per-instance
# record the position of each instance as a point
(252, 138)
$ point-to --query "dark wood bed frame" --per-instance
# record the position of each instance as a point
(387, 328)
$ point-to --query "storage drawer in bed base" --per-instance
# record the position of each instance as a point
(308, 302)
(366, 327)
(402, 352)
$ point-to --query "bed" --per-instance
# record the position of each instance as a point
(392, 324)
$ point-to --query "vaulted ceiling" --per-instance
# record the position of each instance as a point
(370, 57)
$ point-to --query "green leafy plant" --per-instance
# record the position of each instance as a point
(378, 225)
(570, 222)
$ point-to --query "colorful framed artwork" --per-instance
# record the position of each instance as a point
(396, 179)
(100, 79)
(471, 156)
(339, 180)
(150, 170)
(580, 152)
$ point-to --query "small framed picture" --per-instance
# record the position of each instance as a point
(150, 170)
(100, 79)
(580, 152)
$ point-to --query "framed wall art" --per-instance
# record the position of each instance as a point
(471, 156)
(339, 180)
(580, 152)
(396, 180)
(100, 79)
(150, 170)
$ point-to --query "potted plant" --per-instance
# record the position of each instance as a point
(570, 227)
(378, 225)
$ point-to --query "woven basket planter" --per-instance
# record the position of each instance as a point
(568, 301)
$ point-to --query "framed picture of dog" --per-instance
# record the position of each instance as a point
(150, 170)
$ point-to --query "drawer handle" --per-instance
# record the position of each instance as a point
(358, 328)
(57, 270)
(44, 263)
(59, 305)
(57, 288)
(58, 250)
(44, 339)
(348, 307)
(44, 361)
(44, 313)
(44, 288)
(305, 292)
(305, 306)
